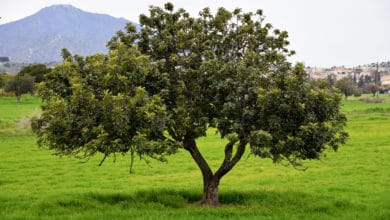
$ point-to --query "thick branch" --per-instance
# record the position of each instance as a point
(228, 154)
(189, 144)
(173, 133)
(229, 162)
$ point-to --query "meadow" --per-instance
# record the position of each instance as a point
(353, 183)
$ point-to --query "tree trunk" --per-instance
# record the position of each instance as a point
(210, 180)
(210, 193)
(131, 160)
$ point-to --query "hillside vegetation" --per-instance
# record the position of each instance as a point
(353, 183)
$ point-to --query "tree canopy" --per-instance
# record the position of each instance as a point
(161, 88)
(347, 86)
(2, 79)
(20, 85)
(91, 105)
(35, 70)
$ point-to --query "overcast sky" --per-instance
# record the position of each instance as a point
(324, 33)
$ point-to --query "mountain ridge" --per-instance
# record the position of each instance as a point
(41, 36)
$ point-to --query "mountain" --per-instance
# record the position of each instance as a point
(41, 36)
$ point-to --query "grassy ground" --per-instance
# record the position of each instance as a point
(353, 183)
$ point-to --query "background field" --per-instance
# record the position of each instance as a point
(353, 183)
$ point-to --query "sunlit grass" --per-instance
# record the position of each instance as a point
(11, 112)
(353, 183)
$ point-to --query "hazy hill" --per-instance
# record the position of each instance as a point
(41, 36)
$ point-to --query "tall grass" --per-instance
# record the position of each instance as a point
(353, 183)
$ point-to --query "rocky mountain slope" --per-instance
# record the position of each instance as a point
(41, 36)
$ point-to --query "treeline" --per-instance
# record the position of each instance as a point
(8, 66)
(381, 64)
(25, 82)
(353, 85)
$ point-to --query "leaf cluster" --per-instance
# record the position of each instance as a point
(35, 70)
(296, 120)
(97, 104)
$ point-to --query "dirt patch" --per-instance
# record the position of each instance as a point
(372, 100)
(23, 123)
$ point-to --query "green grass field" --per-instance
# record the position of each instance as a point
(353, 183)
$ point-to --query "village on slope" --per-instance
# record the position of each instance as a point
(361, 73)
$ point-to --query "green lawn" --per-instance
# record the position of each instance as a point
(353, 183)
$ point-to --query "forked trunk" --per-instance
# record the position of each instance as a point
(210, 180)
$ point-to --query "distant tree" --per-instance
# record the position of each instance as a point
(35, 70)
(20, 85)
(364, 83)
(65, 54)
(347, 86)
(331, 78)
(377, 81)
(376, 75)
(374, 89)
(163, 87)
(367, 79)
(361, 82)
(2, 80)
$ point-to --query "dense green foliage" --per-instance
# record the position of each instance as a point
(162, 88)
(35, 70)
(351, 184)
(91, 105)
(3, 77)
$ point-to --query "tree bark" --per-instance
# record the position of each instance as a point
(211, 181)
(131, 160)
(210, 192)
